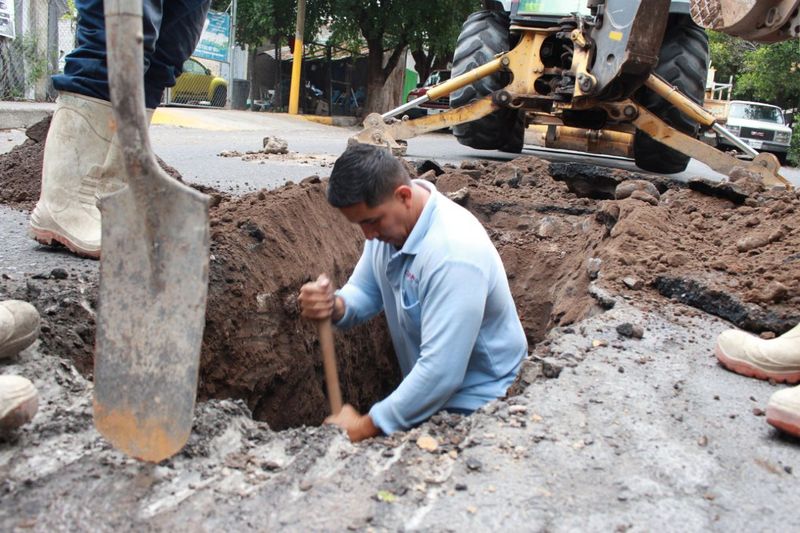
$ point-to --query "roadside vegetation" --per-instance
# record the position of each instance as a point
(768, 73)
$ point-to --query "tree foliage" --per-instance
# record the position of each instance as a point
(771, 74)
(727, 54)
(389, 27)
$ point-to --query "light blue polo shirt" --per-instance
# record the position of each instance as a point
(453, 323)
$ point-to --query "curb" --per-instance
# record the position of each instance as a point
(341, 121)
(20, 115)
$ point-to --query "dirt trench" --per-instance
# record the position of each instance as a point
(568, 235)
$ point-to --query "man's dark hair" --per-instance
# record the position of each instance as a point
(365, 173)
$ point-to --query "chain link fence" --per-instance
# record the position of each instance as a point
(35, 35)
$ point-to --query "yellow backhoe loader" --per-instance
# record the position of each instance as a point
(623, 77)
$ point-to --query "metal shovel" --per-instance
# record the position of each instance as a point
(153, 274)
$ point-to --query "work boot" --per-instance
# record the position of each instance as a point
(783, 410)
(746, 354)
(19, 327)
(77, 145)
(19, 401)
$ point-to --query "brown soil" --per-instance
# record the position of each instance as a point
(732, 250)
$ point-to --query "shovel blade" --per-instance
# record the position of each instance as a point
(153, 287)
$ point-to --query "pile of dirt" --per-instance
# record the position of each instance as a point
(265, 245)
(21, 169)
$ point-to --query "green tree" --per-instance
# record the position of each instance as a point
(727, 54)
(771, 73)
(388, 27)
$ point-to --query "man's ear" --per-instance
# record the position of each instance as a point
(403, 193)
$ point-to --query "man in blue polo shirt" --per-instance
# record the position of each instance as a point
(430, 266)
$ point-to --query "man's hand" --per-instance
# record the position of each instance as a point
(358, 426)
(318, 302)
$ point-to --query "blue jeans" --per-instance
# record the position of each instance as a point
(172, 29)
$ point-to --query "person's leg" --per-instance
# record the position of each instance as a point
(85, 68)
(79, 162)
(179, 32)
(777, 359)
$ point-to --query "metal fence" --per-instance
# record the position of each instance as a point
(36, 36)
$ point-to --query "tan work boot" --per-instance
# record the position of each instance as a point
(746, 354)
(77, 143)
(19, 327)
(783, 410)
(19, 401)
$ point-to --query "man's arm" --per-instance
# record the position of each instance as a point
(453, 300)
(360, 299)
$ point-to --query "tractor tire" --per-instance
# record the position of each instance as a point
(683, 62)
(483, 36)
(220, 97)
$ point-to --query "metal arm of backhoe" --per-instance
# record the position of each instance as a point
(376, 131)
(765, 164)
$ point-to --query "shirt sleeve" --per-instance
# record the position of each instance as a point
(361, 294)
(453, 300)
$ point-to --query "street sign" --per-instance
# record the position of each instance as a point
(215, 40)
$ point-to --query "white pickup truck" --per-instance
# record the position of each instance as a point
(762, 126)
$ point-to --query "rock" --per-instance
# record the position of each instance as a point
(460, 196)
(551, 370)
(644, 197)
(633, 331)
(758, 412)
(474, 464)
(767, 335)
(774, 292)
(428, 176)
(633, 283)
(427, 443)
(429, 165)
(517, 409)
(550, 227)
(752, 242)
(275, 145)
(461, 486)
(677, 259)
(311, 180)
(59, 273)
(593, 265)
(627, 188)
(597, 343)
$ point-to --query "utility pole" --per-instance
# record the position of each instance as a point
(297, 58)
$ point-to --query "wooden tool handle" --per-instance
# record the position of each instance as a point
(329, 362)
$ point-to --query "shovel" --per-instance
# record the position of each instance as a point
(329, 364)
(153, 274)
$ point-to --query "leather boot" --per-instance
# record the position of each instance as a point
(19, 327)
(783, 410)
(19, 401)
(777, 359)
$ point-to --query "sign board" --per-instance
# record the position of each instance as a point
(7, 18)
(215, 40)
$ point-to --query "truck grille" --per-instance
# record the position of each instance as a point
(761, 135)
(440, 103)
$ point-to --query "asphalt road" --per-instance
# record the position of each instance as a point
(193, 150)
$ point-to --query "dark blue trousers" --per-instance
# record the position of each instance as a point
(172, 30)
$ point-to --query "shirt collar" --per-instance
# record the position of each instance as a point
(414, 240)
